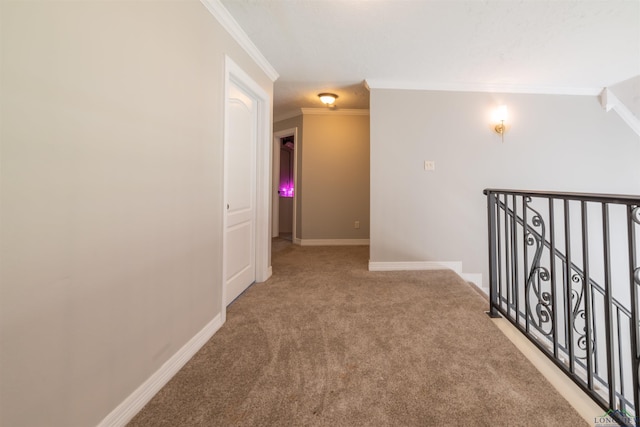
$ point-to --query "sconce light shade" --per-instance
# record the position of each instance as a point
(501, 116)
(328, 98)
(501, 113)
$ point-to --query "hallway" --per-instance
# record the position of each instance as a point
(326, 342)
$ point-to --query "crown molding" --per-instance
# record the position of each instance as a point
(472, 87)
(287, 115)
(231, 25)
(335, 112)
(609, 102)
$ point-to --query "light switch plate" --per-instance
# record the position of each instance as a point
(429, 165)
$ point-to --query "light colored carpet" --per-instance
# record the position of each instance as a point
(325, 342)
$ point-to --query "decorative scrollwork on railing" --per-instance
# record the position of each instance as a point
(635, 214)
(578, 316)
(540, 310)
(544, 305)
(548, 250)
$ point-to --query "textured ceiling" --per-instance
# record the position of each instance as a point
(557, 46)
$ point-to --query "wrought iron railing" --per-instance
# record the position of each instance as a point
(565, 270)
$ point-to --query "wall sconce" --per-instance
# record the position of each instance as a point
(328, 98)
(500, 115)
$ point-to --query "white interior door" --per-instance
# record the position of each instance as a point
(240, 190)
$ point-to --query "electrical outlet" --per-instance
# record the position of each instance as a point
(356, 224)
(429, 165)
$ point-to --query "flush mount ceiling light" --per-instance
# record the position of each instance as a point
(328, 98)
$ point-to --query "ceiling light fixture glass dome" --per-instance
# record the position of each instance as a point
(328, 98)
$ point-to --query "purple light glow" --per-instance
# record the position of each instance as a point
(286, 190)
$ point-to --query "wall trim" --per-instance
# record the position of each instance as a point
(229, 23)
(126, 410)
(333, 242)
(476, 279)
(610, 101)
(286, 116)
(456, 266)
(479, 87)
(336, 111)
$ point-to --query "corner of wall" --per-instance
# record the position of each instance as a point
(610, 101)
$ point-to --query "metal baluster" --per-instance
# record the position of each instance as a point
(525, 249)
(596, 370)
(607, 308)
(568, 315)
(563, 296)
(585, 291)
(620, 364)
(491, 215)
(507, 252)
(496, 200)
(633, 215)
(514, 259)
(552, 242)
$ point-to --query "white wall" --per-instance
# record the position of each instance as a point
(111, 186)
(553, 142)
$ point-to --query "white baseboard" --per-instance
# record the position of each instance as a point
(126, 410)
(334, 242)
(265, 278)
(476, 279)
(296, 241)
(456, 266)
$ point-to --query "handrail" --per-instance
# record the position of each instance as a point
(624, 199)
(574, 320)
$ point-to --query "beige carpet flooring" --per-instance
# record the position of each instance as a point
(325, 342)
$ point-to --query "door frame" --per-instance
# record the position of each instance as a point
(275, 202)
(236, 75)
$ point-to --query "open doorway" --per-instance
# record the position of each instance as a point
(285, 184)
(286, 189)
